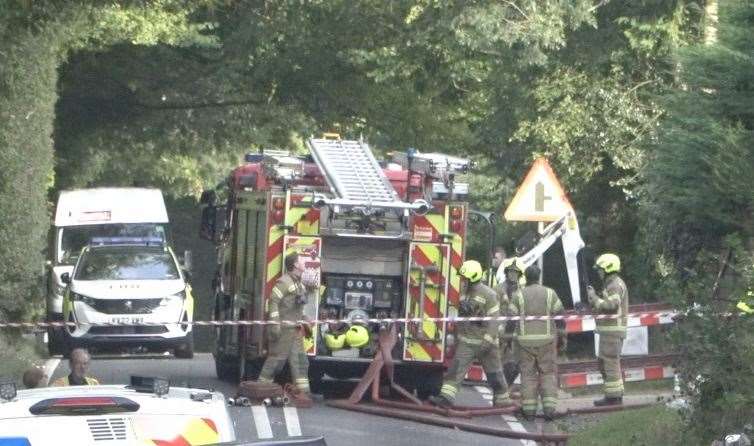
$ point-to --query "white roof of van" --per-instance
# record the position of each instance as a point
(110, 205)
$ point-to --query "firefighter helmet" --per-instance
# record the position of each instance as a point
(357, 336)
(335, 341)
(472, 270)
(513, 263)
(609, 263)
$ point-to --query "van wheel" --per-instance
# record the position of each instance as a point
(186, 350)
(56, 342)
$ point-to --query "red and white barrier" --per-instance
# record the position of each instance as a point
(639, 320)
(591, 378)
(648, 373)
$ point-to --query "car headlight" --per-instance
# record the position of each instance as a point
(178, 297)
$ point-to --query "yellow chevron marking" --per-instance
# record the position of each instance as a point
(417, 353)
(198, 432)
(274, 267)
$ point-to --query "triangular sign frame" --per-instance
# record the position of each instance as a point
(540, 197)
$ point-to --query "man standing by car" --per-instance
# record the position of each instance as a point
(286, 341)
(79, 364)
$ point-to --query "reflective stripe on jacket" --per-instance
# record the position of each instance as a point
(613, 300)
(536, 300)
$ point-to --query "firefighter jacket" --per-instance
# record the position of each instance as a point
(536, 300)
(507, 292)
(287, 301)
(612, 300)
(483, 301)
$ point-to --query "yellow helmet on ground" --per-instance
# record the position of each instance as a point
(610, 263)
(357, 336)
(513, 263)
(335, 341)
(472, 270)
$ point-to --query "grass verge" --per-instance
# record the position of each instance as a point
(17, 353)
(653, 426)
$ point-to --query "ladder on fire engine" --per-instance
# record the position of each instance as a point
(355, 176)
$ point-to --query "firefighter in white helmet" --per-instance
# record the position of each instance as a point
(476, 340)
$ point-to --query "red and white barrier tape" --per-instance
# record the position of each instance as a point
(574, 322)
(476, 373)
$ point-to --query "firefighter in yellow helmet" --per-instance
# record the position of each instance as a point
(285, 342)
(506, 291)
(536, 344)
(476, 340)
(612, 300)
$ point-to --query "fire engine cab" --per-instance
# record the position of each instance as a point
(386, 238)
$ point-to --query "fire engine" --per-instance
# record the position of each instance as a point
(387, 239)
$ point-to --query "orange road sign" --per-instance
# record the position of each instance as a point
(540, 197)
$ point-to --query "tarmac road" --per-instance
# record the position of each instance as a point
(339, 427)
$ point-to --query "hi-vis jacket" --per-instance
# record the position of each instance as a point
(536, 300)
(486, 302)
(612, 300)
(287, 301)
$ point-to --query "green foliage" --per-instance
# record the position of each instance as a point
(28, 76)
(697, 231)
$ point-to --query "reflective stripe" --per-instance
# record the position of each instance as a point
(471, 341)
(292, 288)
(448, 389)
(533, 337)
(494, 309)
(277, 293)
(275, 314)
(548, 304)
(489, 338)
(479, 299)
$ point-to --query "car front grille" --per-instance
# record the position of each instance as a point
(128, 330)
(125, 306)
(107, 429)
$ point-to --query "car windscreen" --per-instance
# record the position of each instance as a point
(126, 263)
(74, 238)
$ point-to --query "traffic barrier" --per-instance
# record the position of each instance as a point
(646, 318)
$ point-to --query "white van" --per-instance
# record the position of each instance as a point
(83, 214)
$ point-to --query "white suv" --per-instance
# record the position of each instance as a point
(122, 282)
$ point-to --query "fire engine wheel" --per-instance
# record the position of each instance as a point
(185, 350)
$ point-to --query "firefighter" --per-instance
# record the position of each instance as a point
(286, 303)
(612, 300)
(536, 344)
(476, 340)
(507, 291)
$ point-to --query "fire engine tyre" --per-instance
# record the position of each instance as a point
(185, 350)
(429, 384)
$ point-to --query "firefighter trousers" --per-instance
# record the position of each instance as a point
(288, 347)
(489, 356)
(538, 378)
(610, 346)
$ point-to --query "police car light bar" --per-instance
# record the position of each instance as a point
(127, 241)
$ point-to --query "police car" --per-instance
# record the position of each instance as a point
(150, 412)
(129, 292)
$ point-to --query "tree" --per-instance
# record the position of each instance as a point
(698, 208)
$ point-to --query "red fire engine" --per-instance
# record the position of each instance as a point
(387, 238)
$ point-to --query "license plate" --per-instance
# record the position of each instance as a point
(126, 320)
